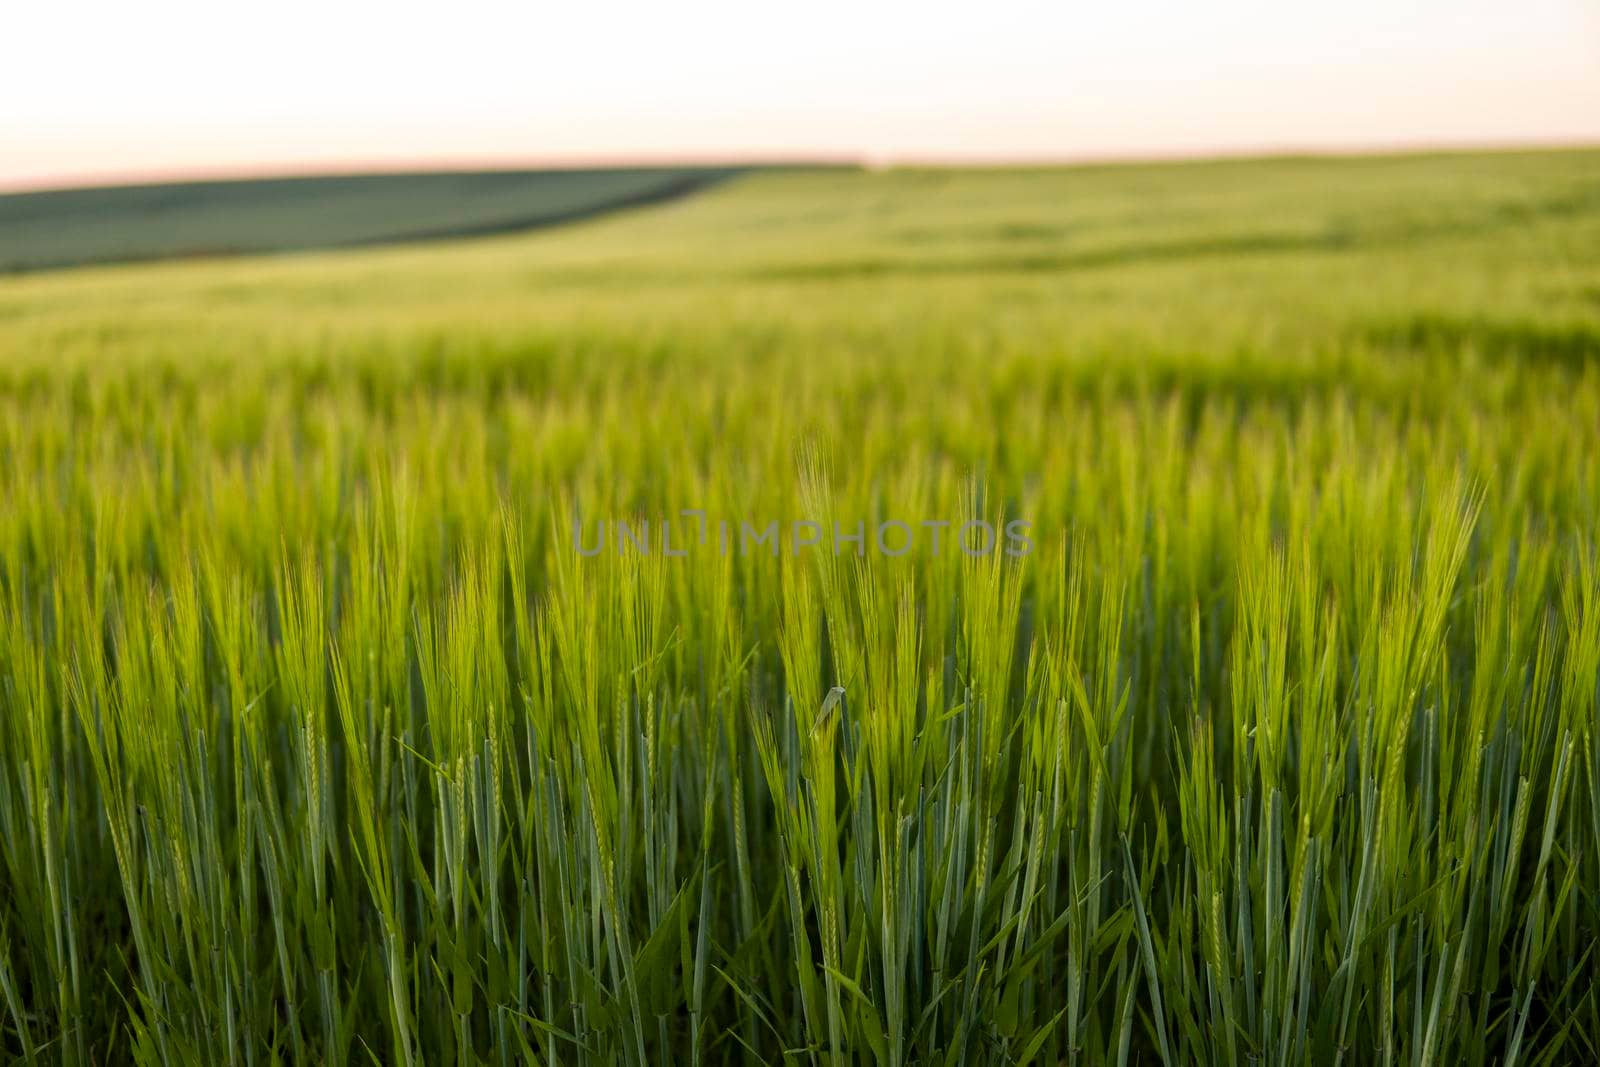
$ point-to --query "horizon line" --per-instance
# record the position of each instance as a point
(865, 160)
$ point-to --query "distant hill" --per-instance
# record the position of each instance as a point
(67, 227)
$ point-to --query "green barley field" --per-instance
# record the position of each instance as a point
(367, 696)
(118, 224)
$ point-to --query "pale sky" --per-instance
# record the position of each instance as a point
(152, 89)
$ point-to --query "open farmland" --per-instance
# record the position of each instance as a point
(322, 741)
(116, 224)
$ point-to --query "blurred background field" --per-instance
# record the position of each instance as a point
(1278, 258)
(113, 224)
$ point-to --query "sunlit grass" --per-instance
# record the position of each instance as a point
(320, 743)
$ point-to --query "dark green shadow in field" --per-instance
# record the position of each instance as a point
(70, 227)
(1572, 344)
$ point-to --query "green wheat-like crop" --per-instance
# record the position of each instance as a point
(320, 743)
